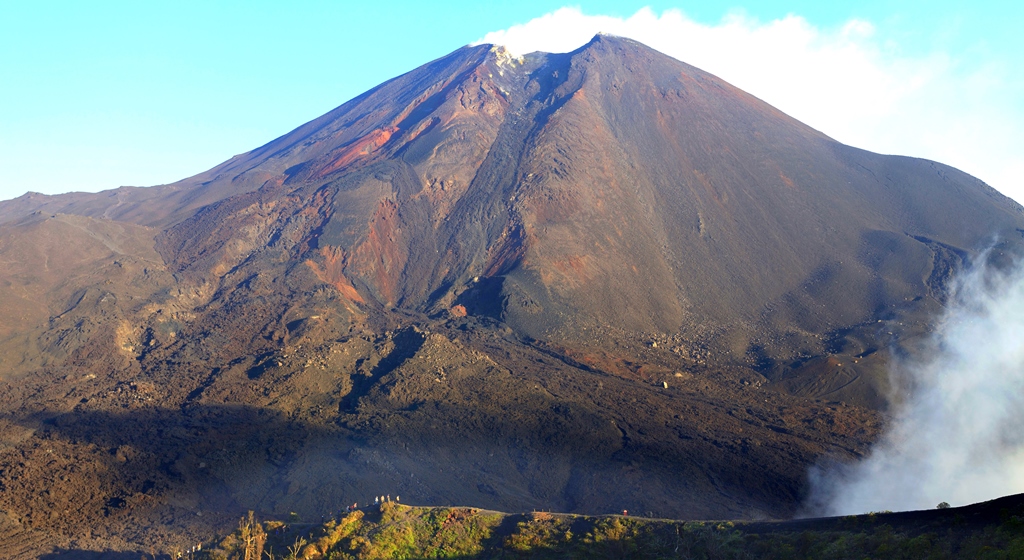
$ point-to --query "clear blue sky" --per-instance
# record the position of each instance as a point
(100, 94)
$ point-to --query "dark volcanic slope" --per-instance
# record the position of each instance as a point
(610, 193)
(611, 188)
(469, 285)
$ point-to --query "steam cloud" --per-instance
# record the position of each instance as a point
(959, 436)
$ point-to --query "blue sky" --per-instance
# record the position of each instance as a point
(101, 94)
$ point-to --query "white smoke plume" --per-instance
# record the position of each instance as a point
(959, 436)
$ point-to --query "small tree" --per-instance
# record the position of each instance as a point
(253, 537)
(942, 505)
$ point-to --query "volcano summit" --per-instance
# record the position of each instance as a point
(589, 282)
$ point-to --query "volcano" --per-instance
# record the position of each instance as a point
(587, 282)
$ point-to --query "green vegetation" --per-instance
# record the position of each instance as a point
(404, 532)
